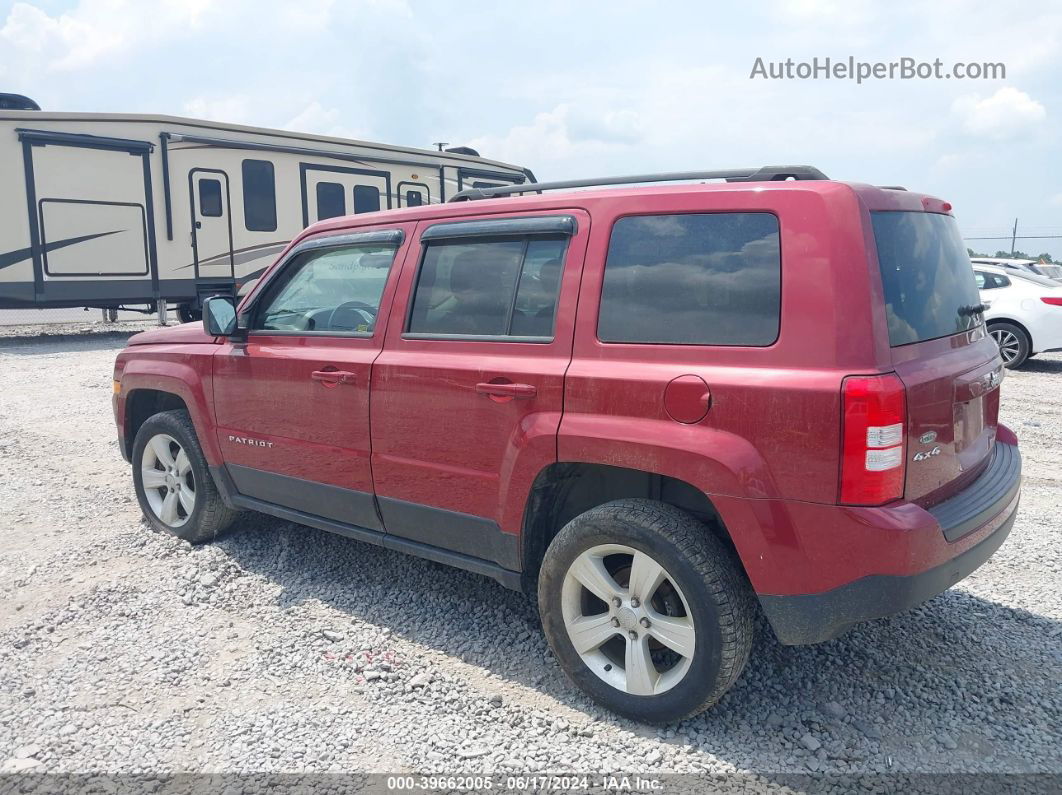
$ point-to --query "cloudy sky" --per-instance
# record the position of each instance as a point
(591, 88)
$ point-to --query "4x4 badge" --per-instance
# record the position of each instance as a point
(928, 438)
(927, 454)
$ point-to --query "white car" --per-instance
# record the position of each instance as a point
(1024, 312)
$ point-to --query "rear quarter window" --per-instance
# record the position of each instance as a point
(926, 274)
(692, 279)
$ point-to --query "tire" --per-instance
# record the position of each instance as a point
(702, 589)
(1014, 344)
(186, 314)
(208, 517)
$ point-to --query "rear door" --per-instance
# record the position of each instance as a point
(211, 223)
(949, 365)
(467, 393)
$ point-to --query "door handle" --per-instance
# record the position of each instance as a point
(507, 390)
(333, 377)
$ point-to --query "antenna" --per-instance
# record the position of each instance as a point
(440, 144)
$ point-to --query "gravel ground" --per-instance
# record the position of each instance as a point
(73, 315)
(283, 648)
(54, 329)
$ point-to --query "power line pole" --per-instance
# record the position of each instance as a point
(1014, 238)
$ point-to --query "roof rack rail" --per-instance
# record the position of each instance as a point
(764, 174)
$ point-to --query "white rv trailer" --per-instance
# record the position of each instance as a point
(109, 210)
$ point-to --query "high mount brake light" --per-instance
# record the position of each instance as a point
(874, 433)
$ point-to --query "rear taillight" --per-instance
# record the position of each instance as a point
(874, 433)
(1054, 300)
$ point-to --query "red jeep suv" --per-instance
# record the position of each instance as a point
(660, 407)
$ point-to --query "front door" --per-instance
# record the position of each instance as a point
(467, 393)
(211, 223)
(292, 401)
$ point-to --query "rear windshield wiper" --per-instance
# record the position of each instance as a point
(973, 309)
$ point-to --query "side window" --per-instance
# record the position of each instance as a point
(990, 281)
(331, 200)
(366, 198)
(498, 287)
(332, 291)
(210, 198)
(414, 198)
(698, 279)
(259, 196)
(536, 295)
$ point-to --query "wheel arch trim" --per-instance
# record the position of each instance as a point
(181, 381)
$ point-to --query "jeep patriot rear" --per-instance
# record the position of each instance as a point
(659, 407)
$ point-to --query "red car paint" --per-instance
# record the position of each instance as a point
(757, 430)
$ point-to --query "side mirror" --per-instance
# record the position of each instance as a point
(219, 316)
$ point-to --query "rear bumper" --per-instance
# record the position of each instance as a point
(968, 529)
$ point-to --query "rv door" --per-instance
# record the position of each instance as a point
(211, 224)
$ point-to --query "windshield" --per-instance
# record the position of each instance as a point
(929, 283)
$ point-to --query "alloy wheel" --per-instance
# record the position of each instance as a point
(1009, 344)
(168, 482)
(627, 619)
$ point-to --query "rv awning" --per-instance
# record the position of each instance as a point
(45, 137)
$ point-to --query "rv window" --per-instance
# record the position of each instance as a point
(366, 199)
(331, 200)
(210, 198)
(414, 198)
(259, 196)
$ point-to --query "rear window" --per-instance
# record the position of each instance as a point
(1033, 278)
(697, 279)
(929, 284)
